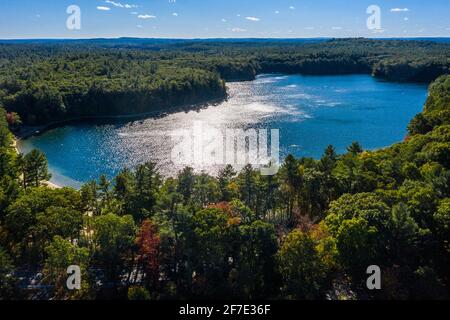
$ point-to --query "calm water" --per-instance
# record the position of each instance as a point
(310, 112)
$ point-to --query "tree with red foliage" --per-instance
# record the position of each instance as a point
(13, 119)
(148, 242)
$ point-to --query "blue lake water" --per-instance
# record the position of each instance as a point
(311, 112)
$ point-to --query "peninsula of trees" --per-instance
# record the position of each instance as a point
(51, 82)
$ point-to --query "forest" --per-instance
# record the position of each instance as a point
(52, 82)
(308, 232)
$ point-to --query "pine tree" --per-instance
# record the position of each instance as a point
(35, 169)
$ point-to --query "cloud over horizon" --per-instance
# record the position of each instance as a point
(399, 10)
(146, 16)
(120, 5)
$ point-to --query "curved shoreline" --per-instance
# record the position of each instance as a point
(49, 184)
(158, 116)
(29, 131)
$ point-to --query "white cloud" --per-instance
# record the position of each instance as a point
(406, 18)
(292, 7)
(399, 10)
(277, 12)
(115, 4)
(336, 28)
(175, 14)
(121, 5)
(101, 8)
(309, 28)
(134, 12)
(146, 16)
(253, 19)
(139, 26)
(224, 20)
(238, 30)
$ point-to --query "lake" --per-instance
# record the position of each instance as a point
(310, 112)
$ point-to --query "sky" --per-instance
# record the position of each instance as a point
(30, 19)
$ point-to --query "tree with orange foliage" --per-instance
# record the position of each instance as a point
(149, 243)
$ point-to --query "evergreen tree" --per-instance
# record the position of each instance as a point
(35, 169)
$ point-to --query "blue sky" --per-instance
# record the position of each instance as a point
(223, 18)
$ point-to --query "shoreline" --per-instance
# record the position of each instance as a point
(49, 184)
(30, 131)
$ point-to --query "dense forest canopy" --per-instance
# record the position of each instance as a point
(46, 82)
(309, 232)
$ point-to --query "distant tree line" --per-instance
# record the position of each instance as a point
(50, 82)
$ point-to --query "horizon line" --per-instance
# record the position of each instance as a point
(220, 38)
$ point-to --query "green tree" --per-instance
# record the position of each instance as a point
(90, 197)
(291, 182)
(61, 254)
(247, 182)
(328, 160)
(138, 294)
(225, 176)
(113, 240)
(302, 270)
(256, 261)
(59, 221)
(206, 190)
(148, 182)
(404, 233)
(37, 215)
(360, 224)
(355, 148)
(35, 169)
(212, 252)
(125, 189)
(186, 182)
(7, 278)
(104, 188)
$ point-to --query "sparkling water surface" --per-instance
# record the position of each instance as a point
(311, 112)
